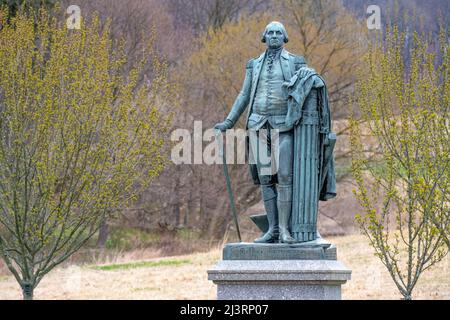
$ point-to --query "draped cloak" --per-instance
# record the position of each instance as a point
(313, 166)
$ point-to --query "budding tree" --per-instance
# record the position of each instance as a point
(79, 137)
(404, 97)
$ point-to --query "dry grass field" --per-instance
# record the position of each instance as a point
(185, 277)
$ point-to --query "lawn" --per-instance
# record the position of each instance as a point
(185, 277)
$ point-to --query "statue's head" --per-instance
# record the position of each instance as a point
(275, 35)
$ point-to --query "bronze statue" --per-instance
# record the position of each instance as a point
(283, 94)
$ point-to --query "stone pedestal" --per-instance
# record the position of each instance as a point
(305, 271)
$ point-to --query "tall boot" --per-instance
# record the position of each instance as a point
(284, 212)
(269, 194)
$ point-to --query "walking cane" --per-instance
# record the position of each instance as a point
(219, 140)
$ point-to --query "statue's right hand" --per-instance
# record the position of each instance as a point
(223, 126)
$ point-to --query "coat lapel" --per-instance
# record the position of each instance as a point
(285, 66)
(256, 72)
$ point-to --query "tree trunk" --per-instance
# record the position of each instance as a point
(188, 212)
(27, 291)
(176, 212)
(103, 234)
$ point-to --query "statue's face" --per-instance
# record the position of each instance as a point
(274, 36)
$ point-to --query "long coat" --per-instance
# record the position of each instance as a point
(290, 63)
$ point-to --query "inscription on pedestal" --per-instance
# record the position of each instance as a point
(253, 251)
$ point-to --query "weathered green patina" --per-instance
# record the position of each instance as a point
(282, 94)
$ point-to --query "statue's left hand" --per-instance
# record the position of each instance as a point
(305, 71)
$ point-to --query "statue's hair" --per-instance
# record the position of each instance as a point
(286, 38)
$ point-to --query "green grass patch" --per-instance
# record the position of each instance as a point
(129, 238)
(188, 234)
(142, 264)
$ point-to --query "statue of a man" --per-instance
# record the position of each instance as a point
(283, 94)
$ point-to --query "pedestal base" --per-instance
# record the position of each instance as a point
(307, 271)
(279, 279)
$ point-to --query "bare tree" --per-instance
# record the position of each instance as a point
(203, 14)
(332, 42)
